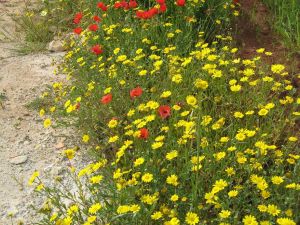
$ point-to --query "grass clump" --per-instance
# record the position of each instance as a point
(286, 21)
(183, 130)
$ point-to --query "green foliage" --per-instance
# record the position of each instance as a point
(286, 20)
(183, 130)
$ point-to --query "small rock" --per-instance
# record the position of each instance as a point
(56, 45)
(59, 145)
(19, 159)
(56, 171)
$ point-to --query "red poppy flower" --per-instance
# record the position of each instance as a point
(102, 6)
(152, 12)
(77, 18)
(139, 14)
(136, 92)
(180, 2)
(118, 5)
(164, 111)
(93, 27)
(144, 133)
(132, 4)
(162, 8)
(78, 30)
(106, 99)
(97, 49)
(97, 18)
(235, 2)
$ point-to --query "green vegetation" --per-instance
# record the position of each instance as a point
(183, 131)
(286, 20)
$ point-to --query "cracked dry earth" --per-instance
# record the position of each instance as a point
(25, 145)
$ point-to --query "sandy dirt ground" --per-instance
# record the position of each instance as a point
(25, 145)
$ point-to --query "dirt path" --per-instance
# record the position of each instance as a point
(25, 145)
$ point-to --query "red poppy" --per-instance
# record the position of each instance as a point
(162, 8)
(136, 92)
(164, 111)
(180, 2)
(118, 5)
(78, 30)
(132, 4)
(152, 12)
(93, 27)
(97, 18)
(144, 133)
(102, 6)
(140, 14)
(106, 99)
(97, 49)
(235, 2)
(77, 18)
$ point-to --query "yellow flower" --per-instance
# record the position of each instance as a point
(70, 153)
(166, 94)
(143, 72)
(135, 208)
(220, 155)
(172, 180)
(240, 136)
(250, 220)
(156, 215)
(116, 51)
(85, 138)
(233, 193)
(235, 88)
(157, 145)
(230, 171)
(224, 139)
(96, 179)
(224, 214)
(173, 221)
(123, 209)
(112, 123)
(202, 84)
(113, 139)
(33, 177)
(285, 221)
(121, 58)
(273, 210)
(47, 123)
(293, 139)
(248, 72)
(260, 50)
(95, 208)
(150, 199)
(177, 78)
(147, 177)
(219, 185)
(174, 198)
(42, 112)
(238, 115)
(191, 218)
(107, 90)
(139, 161)
(191, 100)
(171, 155)
(263, 112)
(277, 68)
(277, 180)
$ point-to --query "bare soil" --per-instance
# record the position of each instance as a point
(25, 145)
